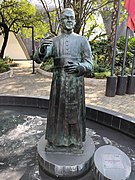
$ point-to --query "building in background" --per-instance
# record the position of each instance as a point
(15, 48)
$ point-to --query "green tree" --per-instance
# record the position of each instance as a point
(14, 15)
(83, 11)
(107, 13)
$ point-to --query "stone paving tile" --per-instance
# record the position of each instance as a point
(23, 82)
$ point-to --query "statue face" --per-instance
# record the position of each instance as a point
(68, 20)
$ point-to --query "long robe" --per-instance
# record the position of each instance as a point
(66, 114)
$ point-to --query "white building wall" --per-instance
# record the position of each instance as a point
(14, 48)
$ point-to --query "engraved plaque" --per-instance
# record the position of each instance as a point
(112, 161)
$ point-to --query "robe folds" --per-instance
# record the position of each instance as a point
(66, 114)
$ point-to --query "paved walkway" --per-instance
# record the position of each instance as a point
(25, 83)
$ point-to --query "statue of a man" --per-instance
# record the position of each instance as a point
(72, 61)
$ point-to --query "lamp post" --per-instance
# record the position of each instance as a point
(33, 47)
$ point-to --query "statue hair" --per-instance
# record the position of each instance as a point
(67, 10)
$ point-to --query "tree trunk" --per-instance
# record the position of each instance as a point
(111, 38)
(107, 18)
(77, 25)
(6, 34)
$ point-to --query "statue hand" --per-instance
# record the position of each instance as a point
(43, 49)
(81, 70)
(71, 67)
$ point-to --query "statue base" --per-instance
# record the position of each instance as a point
(63, 149)
(66, 165)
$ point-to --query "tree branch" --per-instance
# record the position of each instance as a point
(6, 33)
(49, 17)
(13, 23)
(2, 17)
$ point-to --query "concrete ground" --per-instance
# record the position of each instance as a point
(23, 82)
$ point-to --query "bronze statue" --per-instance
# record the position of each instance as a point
(72, 61)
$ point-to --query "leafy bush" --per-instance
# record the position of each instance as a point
(47, 65)
(120, 51)
(3, 66)
(102, 75)
(100, 51)
(10, 61)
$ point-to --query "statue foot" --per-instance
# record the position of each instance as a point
(72, 149)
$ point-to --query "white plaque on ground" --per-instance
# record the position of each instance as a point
(112, 161)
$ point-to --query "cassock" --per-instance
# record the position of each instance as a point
(66, 114)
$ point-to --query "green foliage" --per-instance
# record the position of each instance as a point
(41, 29)
(47, 65)
(123, 12)
(120, 51)
(94, 26)
(17, 14)
(10, 61)
(100, 51)
(3, 66)
(102, 75)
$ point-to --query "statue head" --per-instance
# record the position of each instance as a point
(67, 19)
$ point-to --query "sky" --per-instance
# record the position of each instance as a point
(49, 2)
(39, 3)
(34, 1)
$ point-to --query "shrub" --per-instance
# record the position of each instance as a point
(3, 66)
(100, 51)
(10, 61)
(102, 75)
(47, 65)
(120, 51)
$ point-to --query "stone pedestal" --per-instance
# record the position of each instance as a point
(66, 165)
(111, 163)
